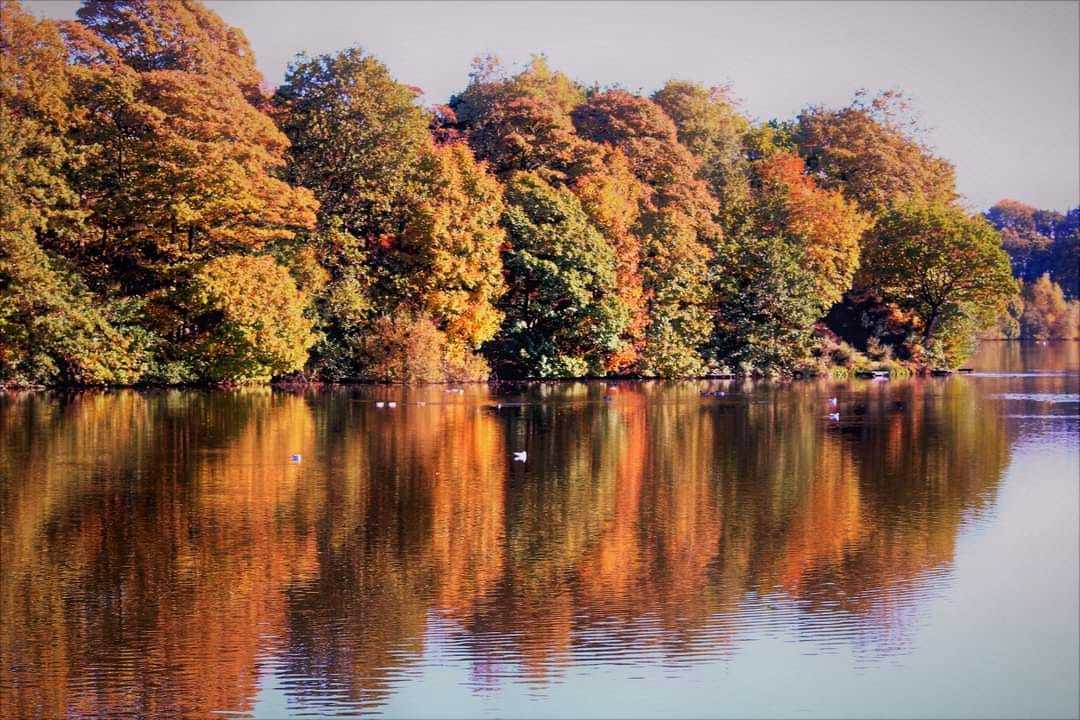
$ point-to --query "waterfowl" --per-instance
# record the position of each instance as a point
(521, 456)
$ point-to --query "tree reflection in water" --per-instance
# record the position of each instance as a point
(159, 548)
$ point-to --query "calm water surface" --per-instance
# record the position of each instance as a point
(659, 553)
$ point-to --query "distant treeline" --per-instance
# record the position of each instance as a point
(165, 219)
(1043, 248)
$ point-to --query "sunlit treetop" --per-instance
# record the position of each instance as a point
(488, 83)
(707, 121)
(175, 35)
(872, 152)
(521, 122)
(34, 115)
(649, 139)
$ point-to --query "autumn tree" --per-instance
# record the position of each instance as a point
(52, 327)
(175, 35)
(1065, 254)
(449, 255)
(710, 126)
(563, 313)
(489, 85)
(1039, 241)
(943, 265)
(871, 151)
(171, 166)
(677, 226)
(185, 170)
(35, 115)
(613, 199)
(522, 123)
(822, 224)
(180, 169)
(246, 319)
(1026, 235)
(1047, 314)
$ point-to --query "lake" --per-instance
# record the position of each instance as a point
(656, 553)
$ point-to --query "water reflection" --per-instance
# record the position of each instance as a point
(161, 552)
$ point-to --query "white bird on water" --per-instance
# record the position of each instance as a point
(834, 416)
(380, 403)
(832, 401)
(391, 404)
(296, 458)
(521, 456)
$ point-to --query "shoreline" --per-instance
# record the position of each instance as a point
(890, 370)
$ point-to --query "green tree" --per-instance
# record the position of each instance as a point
(675, 268)
(767, 303)
(563, 316)
(356, 136)
(943, 265)
(407, 227)
(344, 305)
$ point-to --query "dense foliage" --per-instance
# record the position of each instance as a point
(1040, 242)
(167, 219)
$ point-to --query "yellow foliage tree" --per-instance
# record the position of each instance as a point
(248, 320)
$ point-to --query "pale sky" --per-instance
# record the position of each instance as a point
(997, 83)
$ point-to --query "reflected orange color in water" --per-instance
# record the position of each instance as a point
(158, 547)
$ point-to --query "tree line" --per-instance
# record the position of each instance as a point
(1042, 245)
(167, 219)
